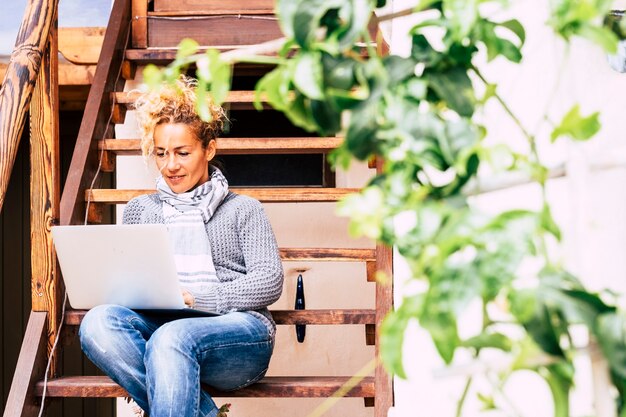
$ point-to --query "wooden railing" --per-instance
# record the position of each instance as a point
(19, 81)
(96, 122)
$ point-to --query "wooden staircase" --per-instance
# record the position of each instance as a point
(141, 32)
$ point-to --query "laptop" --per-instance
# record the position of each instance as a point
(128, 265)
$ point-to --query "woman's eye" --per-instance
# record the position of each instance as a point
(160, 154)
(183, 153)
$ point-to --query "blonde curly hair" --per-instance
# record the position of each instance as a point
(175, 104)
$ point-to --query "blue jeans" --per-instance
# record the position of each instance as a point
(161, 360)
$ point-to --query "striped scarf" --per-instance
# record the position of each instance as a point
(185, 216)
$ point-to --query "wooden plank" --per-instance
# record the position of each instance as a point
(237, 100)
(327, 254)
(96, 117)
(384, 304)
(69, 74)
(269, 195)
(242, 146)
(268, 387)
(285, 317)
(139, 31)
(45, 189)
(164, 56)
(225, 30)
(198, 7)
(30, 368)
(19, 81)
(81, 45)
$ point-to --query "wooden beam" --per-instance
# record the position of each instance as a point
(45, 189)
(19, 81)
(327, 254)
(69, 74)
(273, 195)
(268, 387)
(95, 124)
(139, 31)
(183, 7)
(81, 45)
(242, 146)
(286, 317)
(383, 399)
(30, 369)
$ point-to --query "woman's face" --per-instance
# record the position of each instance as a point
(180, 157)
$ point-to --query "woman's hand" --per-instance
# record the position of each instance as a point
(188, 298)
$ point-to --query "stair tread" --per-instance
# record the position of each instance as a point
(233, 97)
(250, 145)
(286, 317)
(328, 254)
(275, 195)
(270, 386)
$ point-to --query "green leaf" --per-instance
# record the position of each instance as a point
(610, 331)
(361, 133)
(599, 35)
(355, 15)
(392, 334)
(576, 126)
(327, 117)
(307, 19)
(489, 340)
(455, 88)
(186, 47)
(152, 76)
(560, 383)
(275, 85)
(286, 10)
(516, 27)
(308, 75)
(547, 223)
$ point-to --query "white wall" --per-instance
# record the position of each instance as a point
(588, 204)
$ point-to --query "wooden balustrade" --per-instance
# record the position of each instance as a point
(19, 81)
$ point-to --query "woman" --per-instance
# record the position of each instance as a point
(227, 262)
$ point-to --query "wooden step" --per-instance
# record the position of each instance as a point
(271, 386)
(285, 317)
(210, 7)
(236, 100)
(266, 195)
(164, 56)
(327, 254)
(241, 146)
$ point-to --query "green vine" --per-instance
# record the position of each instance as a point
(417, 114)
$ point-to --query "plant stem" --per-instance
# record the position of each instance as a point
(459, 404)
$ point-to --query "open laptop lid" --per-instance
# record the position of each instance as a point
(128, 265)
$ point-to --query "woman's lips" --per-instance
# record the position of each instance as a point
(175, 179)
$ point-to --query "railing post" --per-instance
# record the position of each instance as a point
(45, 189)
(19, 80)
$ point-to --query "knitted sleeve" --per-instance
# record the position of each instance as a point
(133, 212)
(262, 283)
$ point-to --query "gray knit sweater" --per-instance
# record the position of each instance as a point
(244, 251)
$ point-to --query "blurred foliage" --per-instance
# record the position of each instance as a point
(416, 113)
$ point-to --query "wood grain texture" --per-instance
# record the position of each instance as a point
(81, 45)
(95, 126)
(139, 31)
(166, 31)
(69, 74)
(269, 195)
(30, 368)
(19, 81)
(286, 317)
(45, 189)
(242, 146)
(237, 100)
(327, 254)
(198, 7)
(274, 386)
(384, 304)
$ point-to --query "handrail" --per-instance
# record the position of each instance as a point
(19, 81)
(96, 122)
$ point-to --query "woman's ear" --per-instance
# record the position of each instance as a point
(211, 150)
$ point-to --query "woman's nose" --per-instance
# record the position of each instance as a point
(171, 163)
